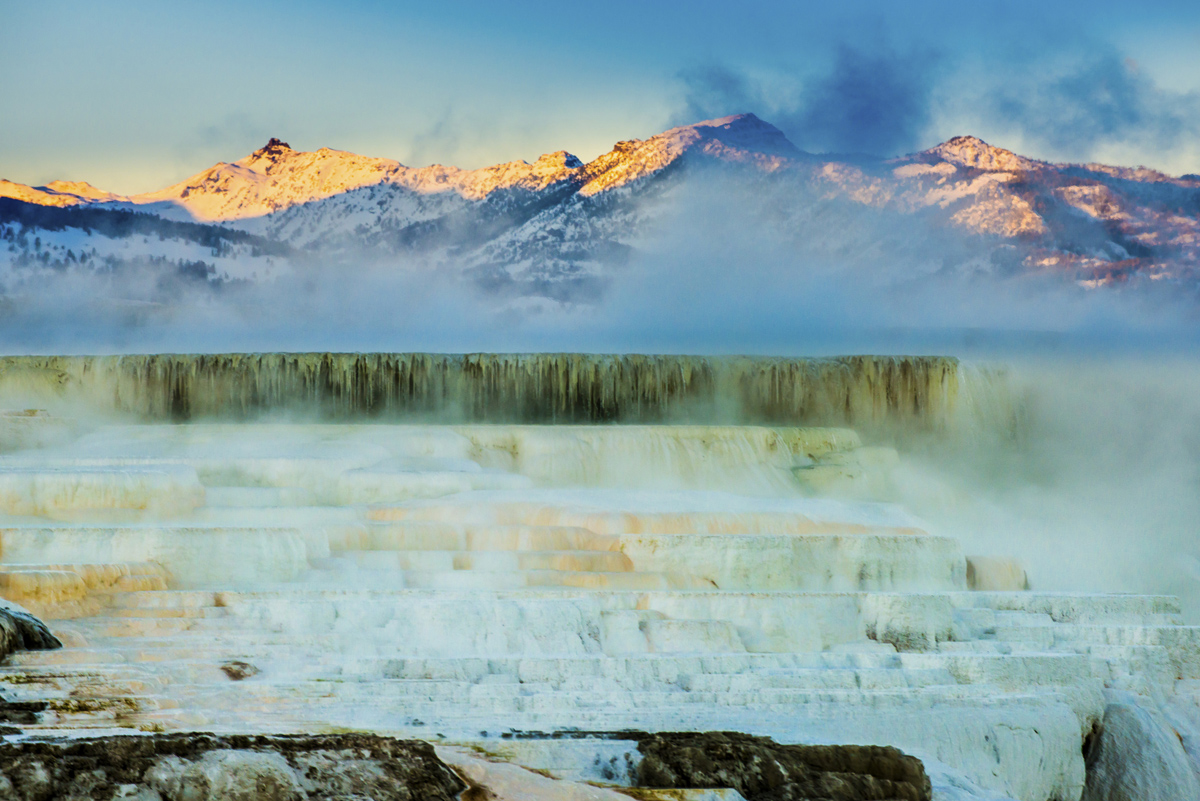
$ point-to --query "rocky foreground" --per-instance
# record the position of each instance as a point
(208, 767)
(202, 767)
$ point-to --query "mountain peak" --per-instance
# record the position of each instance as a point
(559, 158)
(739, 138)
(533, 223)
(746, 132)
(971, 151)
(79, 188)
(56, 193)
(272, 150)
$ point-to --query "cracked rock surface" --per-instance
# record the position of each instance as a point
(763, 770)
(207, 767)
(21, 631)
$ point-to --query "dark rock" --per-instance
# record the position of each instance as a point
(1135, 754)
(21, 712)
(274, 147)
(238, 670)
(21, 631)
(203, 766)
(763, 770)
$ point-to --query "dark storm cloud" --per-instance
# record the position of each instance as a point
(877, 102)
(1102, 100)
(886, 102)
(868, 103)
(714, 90)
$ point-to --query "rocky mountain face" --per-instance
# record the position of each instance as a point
(558, 226)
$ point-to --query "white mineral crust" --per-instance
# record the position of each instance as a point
(465, 583)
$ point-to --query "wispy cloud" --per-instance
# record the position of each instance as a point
(1079, 102)
(876, 101)
(1094, 102)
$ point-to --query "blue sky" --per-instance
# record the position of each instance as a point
(132, 95)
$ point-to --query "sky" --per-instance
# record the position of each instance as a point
(133, 95)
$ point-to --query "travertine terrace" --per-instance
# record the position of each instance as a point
(535, 554)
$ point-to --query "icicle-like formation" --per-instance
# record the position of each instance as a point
(860, 391)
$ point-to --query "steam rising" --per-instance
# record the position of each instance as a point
(1100, 491)
(1095, 487)
(1075, 103)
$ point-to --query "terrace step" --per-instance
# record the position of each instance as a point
(435, 536)
(258, 497)
(482, 560)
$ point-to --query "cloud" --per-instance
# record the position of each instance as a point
(868, 103)
(877, 102)
(714, 90)
(442, 135)
(1076, 102)
(1093, 102)
(234, 134)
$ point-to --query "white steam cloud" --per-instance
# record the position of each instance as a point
(1100, 492)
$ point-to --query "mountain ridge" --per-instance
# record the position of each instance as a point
(560, 221)
(963, 150)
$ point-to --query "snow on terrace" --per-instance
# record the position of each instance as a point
(562, 605)
(810, 511)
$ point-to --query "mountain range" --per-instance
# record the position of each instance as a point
(557, 227)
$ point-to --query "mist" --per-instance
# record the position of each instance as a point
(716, 263)
(1098, 489)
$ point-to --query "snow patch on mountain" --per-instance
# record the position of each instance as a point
(82, 190)
(271, 178)
(557, 222)
(973, 152)
(742, 138)
(56, 193)
(27, 254)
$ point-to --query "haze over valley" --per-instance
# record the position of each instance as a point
(964, 221)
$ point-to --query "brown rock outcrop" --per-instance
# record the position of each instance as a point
(207, 767)
(21, 631)
(763, 770)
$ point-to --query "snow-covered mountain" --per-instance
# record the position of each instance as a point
(558, 224)
(56, 193)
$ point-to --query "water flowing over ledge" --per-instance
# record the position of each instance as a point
(925, 391)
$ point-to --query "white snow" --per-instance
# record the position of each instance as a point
(567, 600)
(341, 203)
